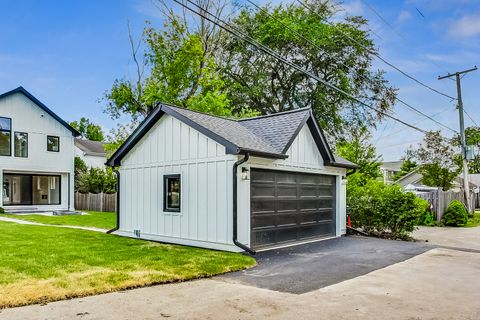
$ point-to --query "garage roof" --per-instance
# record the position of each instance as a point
(267, 136)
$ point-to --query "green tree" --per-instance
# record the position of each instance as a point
(96, 180)
(439, 163)
(181, 71)
(118, 135)
(268, 85)
(408, 165)
(360, 151)
(87, 129)
(472, 138)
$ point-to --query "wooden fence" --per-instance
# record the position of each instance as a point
(440, 200)
(96, 201)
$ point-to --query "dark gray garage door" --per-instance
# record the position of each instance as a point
(290, 207)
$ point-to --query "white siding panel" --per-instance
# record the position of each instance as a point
(176, 148)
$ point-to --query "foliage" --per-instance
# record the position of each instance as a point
(42, 264)
(408, 166)
(472, 138)
(95, 219)
(360, 151)
(96, 180)
(88, 130)
(268, 85)
(181, 71)
(440, 165)
(381, 209)
(455, 215)
(2, 210)
(118, 136)
(473, 221)
(79, 165)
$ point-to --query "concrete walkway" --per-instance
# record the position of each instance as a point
(460, 238)
(19, 221)
(439, 284)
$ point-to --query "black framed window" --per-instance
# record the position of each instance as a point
(171, 193)
(20, 144)
(26, 189)
(5, 136)
(53, 143)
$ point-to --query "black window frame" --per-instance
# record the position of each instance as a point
(58, 139)
(31, 203)
(10, 132)
(166, 177)
(15, 146)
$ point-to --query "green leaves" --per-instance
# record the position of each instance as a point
(88, 130)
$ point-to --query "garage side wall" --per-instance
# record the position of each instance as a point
(303, 156)
(205, 217)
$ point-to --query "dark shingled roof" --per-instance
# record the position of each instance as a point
(267, 136)
(91, 148)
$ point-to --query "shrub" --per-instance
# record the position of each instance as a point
(382, 209)
(2, 210)
(456, 214)
(95, 180)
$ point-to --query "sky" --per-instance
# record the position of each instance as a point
(68, 53)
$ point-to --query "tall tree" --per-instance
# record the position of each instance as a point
(268, 85)
(358, 149)
(472, 138)
(88, 130)
(439, 162)
(181, 69)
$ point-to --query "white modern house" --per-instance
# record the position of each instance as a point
(239, 185)
(36, 155)
(91, 152)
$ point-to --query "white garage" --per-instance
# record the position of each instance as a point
(239, 185)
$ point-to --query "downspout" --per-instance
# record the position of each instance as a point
(235, 205)
(351, 172)
(118, 203)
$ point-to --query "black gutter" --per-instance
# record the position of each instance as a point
(118, 203)
(235, 205)
(351, 172)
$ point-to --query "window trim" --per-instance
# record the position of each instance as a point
(58, 143)
(165, 191)
(9, 131)
(14, 133)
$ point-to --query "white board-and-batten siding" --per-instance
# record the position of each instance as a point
(29, 118)
(172, 147)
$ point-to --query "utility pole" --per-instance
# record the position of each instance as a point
(466, 184)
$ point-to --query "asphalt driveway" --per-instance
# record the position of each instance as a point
(304, 268)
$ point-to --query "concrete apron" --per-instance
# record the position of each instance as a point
(438, 284)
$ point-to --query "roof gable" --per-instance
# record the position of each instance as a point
(265, 136)
(42, 106)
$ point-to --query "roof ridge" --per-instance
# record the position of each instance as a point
(275, 114)
(196, 111)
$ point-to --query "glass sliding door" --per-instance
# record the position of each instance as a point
(22, 189)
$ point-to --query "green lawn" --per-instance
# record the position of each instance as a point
(473, 221)
(41, 264)
(103, 220)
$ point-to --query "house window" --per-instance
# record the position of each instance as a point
(5, 136)
(171, 197)
(53, 143)
(21, 144)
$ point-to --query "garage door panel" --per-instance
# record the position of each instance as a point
(290, 207)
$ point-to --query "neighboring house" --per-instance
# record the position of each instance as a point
(91, 152)
(36, 155)
(413, 182)
(389, 169)
(201, 180)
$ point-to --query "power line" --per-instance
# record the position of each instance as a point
(378, 55)
(468, 115)
(298, 34)
(227, 27)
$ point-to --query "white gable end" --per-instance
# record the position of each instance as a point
(304, 150)
(172, 140)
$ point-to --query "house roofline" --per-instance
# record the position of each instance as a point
(42, 106)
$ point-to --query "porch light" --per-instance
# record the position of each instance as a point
(245, 174)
